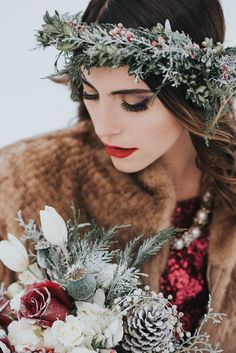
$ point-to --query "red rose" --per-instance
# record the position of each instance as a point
(6, 314)
(45, 302)
(5, 345)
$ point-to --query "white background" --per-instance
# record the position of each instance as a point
(30, 105)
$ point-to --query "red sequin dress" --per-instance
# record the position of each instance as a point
(184, 276)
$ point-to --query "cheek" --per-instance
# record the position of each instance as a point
(159, 131)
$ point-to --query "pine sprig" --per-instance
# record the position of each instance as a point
(92, 244)
(30, 229)
(125, 281)
(153, 244)
(127, 255)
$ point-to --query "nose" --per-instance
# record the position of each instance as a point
(107, 123)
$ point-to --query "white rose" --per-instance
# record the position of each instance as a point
(70, 332)
(111, 330)
(89, 313)
(114, 331)
(49, 340)
(102, 323)
(14, 289)
(15, 301)
(52, 342)
(31, 275)
(24, 333)
(82, 350)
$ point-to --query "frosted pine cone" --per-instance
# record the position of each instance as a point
(151, 327)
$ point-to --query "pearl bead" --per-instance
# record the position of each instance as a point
(112, 32)
(196, 232)
(179, 244)
(206, 196)
(199, 221)
(202, 216)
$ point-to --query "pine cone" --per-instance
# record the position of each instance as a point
(149, 328)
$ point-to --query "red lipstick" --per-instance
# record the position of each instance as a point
(119, 152)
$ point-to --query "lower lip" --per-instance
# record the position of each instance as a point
(115, 152)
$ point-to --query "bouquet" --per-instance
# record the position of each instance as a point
(77, 294)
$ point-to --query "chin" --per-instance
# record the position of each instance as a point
(128, 167)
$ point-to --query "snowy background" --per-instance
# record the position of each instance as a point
(30, 105)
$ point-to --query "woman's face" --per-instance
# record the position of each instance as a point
(152, 129)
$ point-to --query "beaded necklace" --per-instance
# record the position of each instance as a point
(200, 220)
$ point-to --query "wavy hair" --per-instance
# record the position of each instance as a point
(200, 19)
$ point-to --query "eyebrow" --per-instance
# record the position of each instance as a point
(123, 91)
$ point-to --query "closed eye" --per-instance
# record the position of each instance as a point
(138, 107)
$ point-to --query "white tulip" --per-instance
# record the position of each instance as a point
(14, 289)
(53, 226)
(15, 301)
(31, 275)
(13, 254)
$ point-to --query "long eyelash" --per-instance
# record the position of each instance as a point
(141, 106)
(89, 96)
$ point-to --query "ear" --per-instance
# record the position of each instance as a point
(61, 79)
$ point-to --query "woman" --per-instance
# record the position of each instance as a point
(164, 178)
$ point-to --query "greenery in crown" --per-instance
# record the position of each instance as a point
(207, 72)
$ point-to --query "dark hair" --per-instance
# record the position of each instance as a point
(199, 19)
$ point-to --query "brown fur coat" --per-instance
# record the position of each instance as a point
(71, 164)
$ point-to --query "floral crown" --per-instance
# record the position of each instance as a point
(206, 72)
